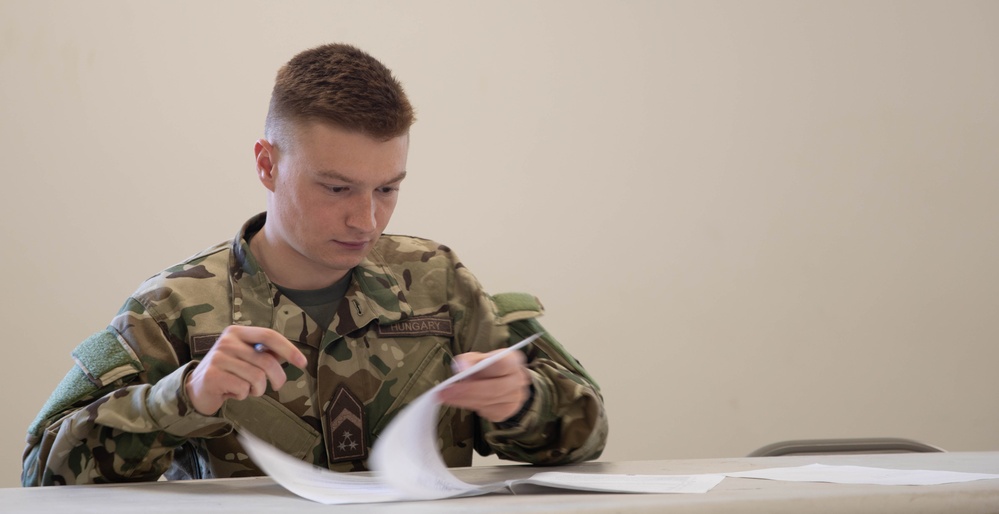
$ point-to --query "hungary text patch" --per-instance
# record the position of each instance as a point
(418, 326)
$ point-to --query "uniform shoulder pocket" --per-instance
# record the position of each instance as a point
(101, 359)
(512, 307)
(104, 357)
(518, 311)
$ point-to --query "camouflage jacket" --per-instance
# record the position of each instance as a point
(121, 413)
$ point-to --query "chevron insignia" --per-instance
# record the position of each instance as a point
(346, 421)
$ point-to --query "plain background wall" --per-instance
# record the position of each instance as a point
(752, 221)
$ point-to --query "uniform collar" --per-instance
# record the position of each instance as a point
(252, 293)
(375, 291)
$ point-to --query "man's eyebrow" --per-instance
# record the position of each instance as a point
(398, 178)
(335, 175)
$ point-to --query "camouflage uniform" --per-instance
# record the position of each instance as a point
(122, 414)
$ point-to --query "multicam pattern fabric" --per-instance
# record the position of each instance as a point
(121, 414)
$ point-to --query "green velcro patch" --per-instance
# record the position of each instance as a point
(73, 388)
(104, 358)
(516, 306)
(100, 360)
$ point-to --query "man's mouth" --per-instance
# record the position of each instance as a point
(352, 245)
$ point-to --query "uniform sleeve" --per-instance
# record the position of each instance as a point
(565, 421)
(119, 413)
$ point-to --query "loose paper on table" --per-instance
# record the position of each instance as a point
(408, 466)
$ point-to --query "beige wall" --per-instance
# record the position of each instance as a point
(752, 221)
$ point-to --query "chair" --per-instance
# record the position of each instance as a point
(848, 445)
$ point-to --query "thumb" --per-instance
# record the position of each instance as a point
(458, 365)
(465, 360)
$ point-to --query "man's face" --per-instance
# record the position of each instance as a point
(332, 193)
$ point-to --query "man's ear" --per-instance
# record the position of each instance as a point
(265, 156)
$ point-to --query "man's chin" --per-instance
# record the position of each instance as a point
(341, 264)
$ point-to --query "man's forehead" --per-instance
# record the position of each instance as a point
(331, 143)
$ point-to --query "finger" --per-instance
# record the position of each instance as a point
(492, 408)
(240, 391)
(484, 392)
(509, 363)
(495, 411)
(212, 382)
(492, 399)
(238, 362)
(272, 341)
(231, 350)
(246, 378)
(271, 366)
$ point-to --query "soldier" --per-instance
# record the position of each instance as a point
(311, 328)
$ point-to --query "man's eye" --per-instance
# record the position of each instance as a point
(336, 189)
(388, 189)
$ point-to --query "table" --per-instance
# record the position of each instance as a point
(737, 495)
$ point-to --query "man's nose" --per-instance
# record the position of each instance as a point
(361, 214)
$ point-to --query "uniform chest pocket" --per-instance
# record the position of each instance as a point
(409, 357)
(426, 362)
(272, 422)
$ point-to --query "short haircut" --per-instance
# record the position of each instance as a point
(340, 85)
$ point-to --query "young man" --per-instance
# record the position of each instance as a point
(311, 329)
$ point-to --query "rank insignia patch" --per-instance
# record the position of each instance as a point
(346, 422)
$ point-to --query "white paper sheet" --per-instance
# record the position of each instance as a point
(315, 483)
(610, 483)
(408, 464)
(862, 475)
(406, 456)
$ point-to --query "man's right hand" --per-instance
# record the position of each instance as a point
(234, 369)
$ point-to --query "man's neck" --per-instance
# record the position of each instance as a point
(287, 268)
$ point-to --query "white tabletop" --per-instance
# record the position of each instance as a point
(738, 495)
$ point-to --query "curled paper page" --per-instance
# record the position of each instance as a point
(406, 460)
(406, 456)
(312, 482)
(408, 464)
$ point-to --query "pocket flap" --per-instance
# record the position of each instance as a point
(267, 419)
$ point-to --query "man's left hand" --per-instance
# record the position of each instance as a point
(495, 393)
